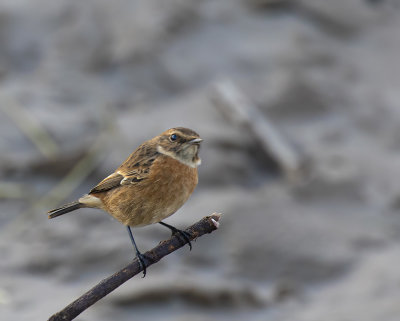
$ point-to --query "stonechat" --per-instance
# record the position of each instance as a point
(149, 186)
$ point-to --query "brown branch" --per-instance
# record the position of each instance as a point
(206, 225)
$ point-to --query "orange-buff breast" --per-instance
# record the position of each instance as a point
(169, 185)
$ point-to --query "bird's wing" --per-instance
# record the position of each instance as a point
(135, 169)
(110, 182)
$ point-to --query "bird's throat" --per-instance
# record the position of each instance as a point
(188, 156)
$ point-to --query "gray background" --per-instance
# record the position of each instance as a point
(85, 82)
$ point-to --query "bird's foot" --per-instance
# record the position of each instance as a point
(185, 236)
(141, 258)
(142, 262)
(180, 233)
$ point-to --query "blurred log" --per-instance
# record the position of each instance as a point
(206, 225)
(239, 110)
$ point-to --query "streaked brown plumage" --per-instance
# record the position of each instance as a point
(150, 185)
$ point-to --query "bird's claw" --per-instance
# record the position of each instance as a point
(142, 264)
(184, 235)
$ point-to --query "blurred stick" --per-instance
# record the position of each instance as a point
(30, 126)
(238, 109)
(82, 169)
(11, 190)
(206, 225)
(95, 154)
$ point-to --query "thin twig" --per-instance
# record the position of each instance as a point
(206, 225)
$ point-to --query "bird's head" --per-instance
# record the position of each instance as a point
(182, 144)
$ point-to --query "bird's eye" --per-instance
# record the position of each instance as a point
(173, 137)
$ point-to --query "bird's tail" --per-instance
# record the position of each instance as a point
(65, 209)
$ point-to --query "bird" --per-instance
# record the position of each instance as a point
(149, 186)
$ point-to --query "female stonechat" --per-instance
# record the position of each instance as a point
(149, 186)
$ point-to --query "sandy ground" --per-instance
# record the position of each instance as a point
(85, 82)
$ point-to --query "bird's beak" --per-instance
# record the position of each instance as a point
(195, 141)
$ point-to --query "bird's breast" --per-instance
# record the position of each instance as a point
(162, 193)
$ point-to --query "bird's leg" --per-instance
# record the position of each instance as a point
(139, 255)
(185, 235)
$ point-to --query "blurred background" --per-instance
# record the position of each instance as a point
(310, 228)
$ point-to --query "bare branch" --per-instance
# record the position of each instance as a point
(206, 225)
